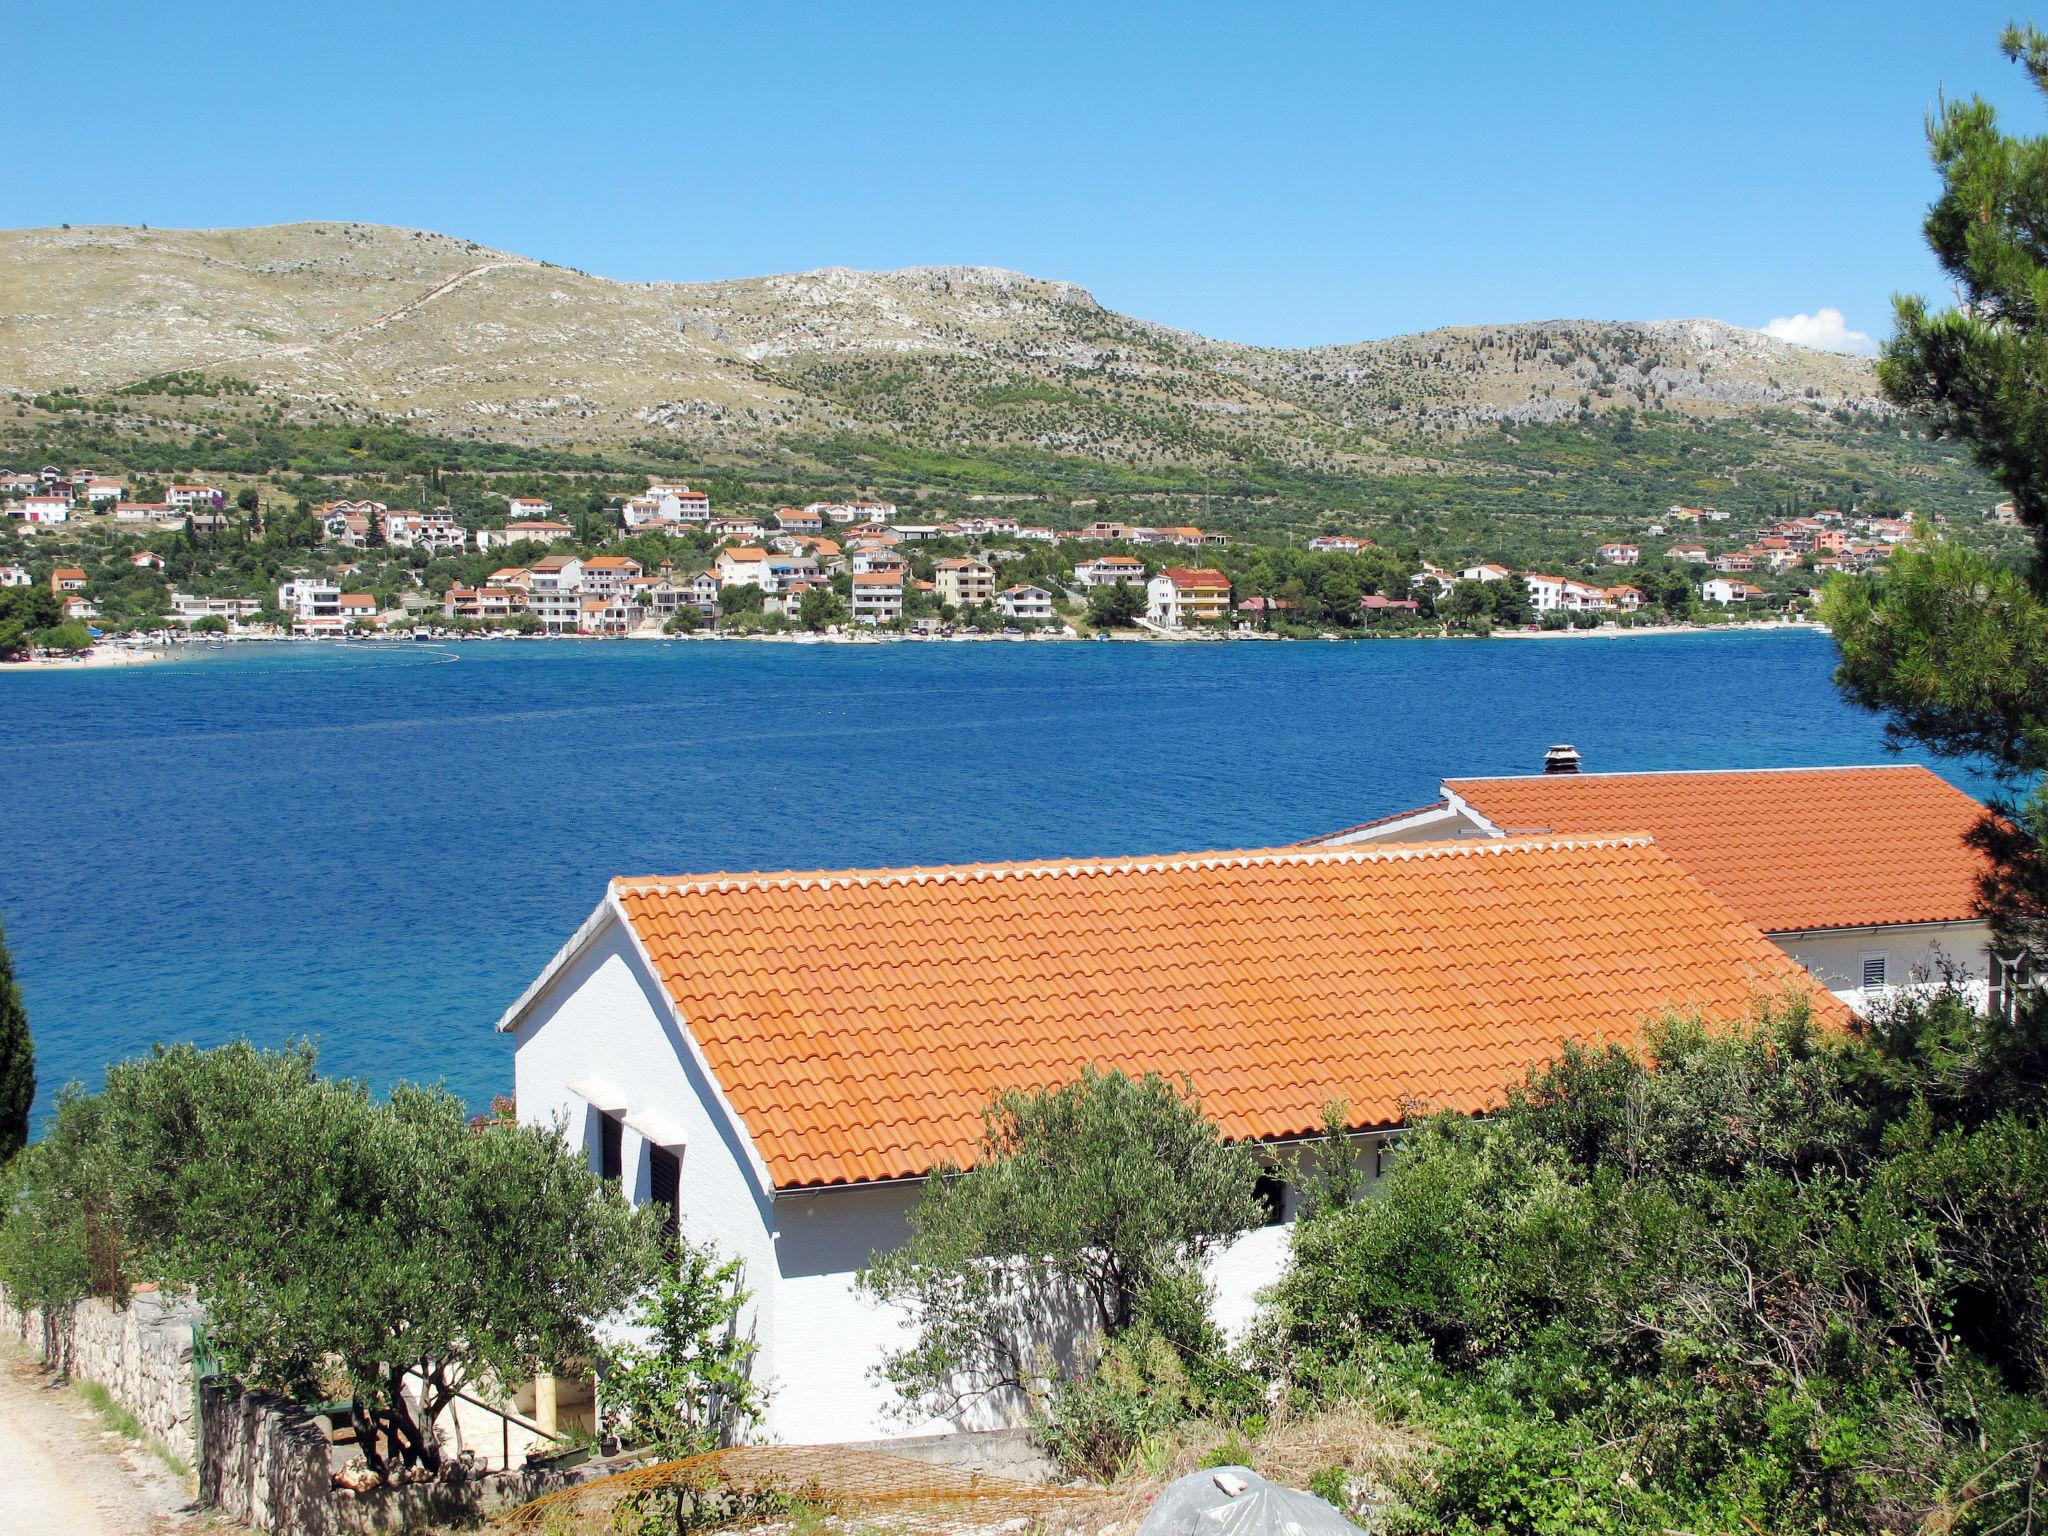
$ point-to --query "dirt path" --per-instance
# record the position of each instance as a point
(62, 1474)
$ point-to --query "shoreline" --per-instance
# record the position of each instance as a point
(97, 657)
(1612, 632)
(112, 656)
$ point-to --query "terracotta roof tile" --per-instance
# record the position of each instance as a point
(859, 1021)
(1788, 848)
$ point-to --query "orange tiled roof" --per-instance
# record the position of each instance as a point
(1788, 848)
(859, 1021)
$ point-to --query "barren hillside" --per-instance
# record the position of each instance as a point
(462, 341)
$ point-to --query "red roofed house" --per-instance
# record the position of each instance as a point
(1181, 595)
(779, 1059)
(67, 578)
(1860, 874)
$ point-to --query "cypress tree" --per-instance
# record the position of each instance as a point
(17, 1061)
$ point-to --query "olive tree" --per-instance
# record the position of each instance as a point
(392, 1248)
(1084, 1203)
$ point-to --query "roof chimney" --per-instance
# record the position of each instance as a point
(1562, 758)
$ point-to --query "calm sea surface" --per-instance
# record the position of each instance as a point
(380, 847)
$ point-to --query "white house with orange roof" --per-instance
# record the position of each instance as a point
(185, 497)
(778, 1060)
(1619, 554)
(1182, 595)
(1865, 876)
(1485, 573)
(743, 565)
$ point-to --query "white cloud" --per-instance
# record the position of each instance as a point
(1825, 331)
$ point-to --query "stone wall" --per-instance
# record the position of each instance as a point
(264, 1463)
(260, 1459)
(141, 1353)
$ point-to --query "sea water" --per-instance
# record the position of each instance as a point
(380, 846)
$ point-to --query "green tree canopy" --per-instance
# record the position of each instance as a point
(1950, 645)
(393, 1244)
(1083, 1201)
(17, 1060)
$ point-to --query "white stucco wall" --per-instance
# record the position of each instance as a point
(604, 1019)
(1914, 952)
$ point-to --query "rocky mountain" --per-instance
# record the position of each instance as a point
(460, 341)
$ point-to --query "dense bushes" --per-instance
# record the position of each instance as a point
(1759, 1277)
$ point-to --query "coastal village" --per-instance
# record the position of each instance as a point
(665, 562)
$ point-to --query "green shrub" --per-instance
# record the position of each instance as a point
(1095, 1420)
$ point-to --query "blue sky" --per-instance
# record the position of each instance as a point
(1286, 174)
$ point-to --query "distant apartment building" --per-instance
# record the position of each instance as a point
(535, 530)
(348, 522)
(43, 509)
(185, 497)
(1484, 573)
(743, 566)
(1025, 603)
(1726, 590)
(877, 596)
(1182, 595)
(1620, 554)
(1110, 571)
(555, 593)
(432, 531)
(1334, 544)
(881, 559)
(309, 597)
(853, 511)
(100, 491)
(187, 608)
(1692, 554)
(15, 576)
(1561, 594)
(528, 508)
(609, 575)
(667, 503)
(67, 578)
(964, 582)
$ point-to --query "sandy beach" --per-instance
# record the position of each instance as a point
(98, 656)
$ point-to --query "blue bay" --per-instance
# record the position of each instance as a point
(379, 847)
